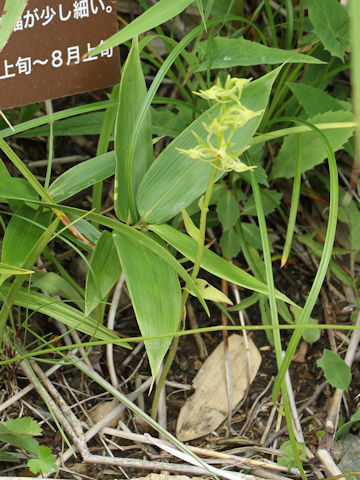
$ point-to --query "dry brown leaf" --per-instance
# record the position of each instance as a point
(208, 407)
(102, 409)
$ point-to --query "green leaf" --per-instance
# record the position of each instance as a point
(18, 439)
(82, 176)
(230, 244)
(211, 293)
(10, 15)
(170, 124)
(22, 426)
(59, 310)
(331, 25)
(174, 180)
(310, 335)
(314, 100)
(212, 262)
(346, 427)
(54, 284)
(227, 52)
(104, 271)
(228, 210)
(16, 188)
(314, 151)
(44, 464)
(270, 201)
(191, 229)
(251, 235)
(128, 176)
(11, 270)
(87, 124)
(159, 13)
(336, 371)
(155, 293)
(289, 460)
(23, 231)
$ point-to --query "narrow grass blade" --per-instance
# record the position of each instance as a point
(159, 13)
(212, 262)
(324, 261)
(294, 202)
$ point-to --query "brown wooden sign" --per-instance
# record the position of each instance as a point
(43, 58)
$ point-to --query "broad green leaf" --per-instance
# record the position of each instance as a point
(314, 100)
(228, 210)
(336, 371)
(23, 231)
(227, 52)
(23, 426)
(85, 228)
(82, 176)
(44, 464)
(128, 176)
(251, 235)
(164, 122)
(61, 311)
(346, 428)
(270, 201)
(159, 13)
(170, 124)
(314, 151)
(230, 244)
(289, 460)
(310, 335)
(212, 262)
(331, 25)
(155, 293)
(10, 15)
(135, 236)
(54, 284)
(11, 433)
(211, 293)
(87, 124)
(104, 271)
(16, 188)
(174, 180)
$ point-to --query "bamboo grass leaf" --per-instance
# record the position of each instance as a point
(104, 271)
(82, 176)
(129, 172)
(155, 293)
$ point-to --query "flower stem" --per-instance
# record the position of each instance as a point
(204, 207)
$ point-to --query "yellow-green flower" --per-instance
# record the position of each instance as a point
(231, 91)
(216, 148)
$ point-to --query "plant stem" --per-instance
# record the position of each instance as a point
(172, 351)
